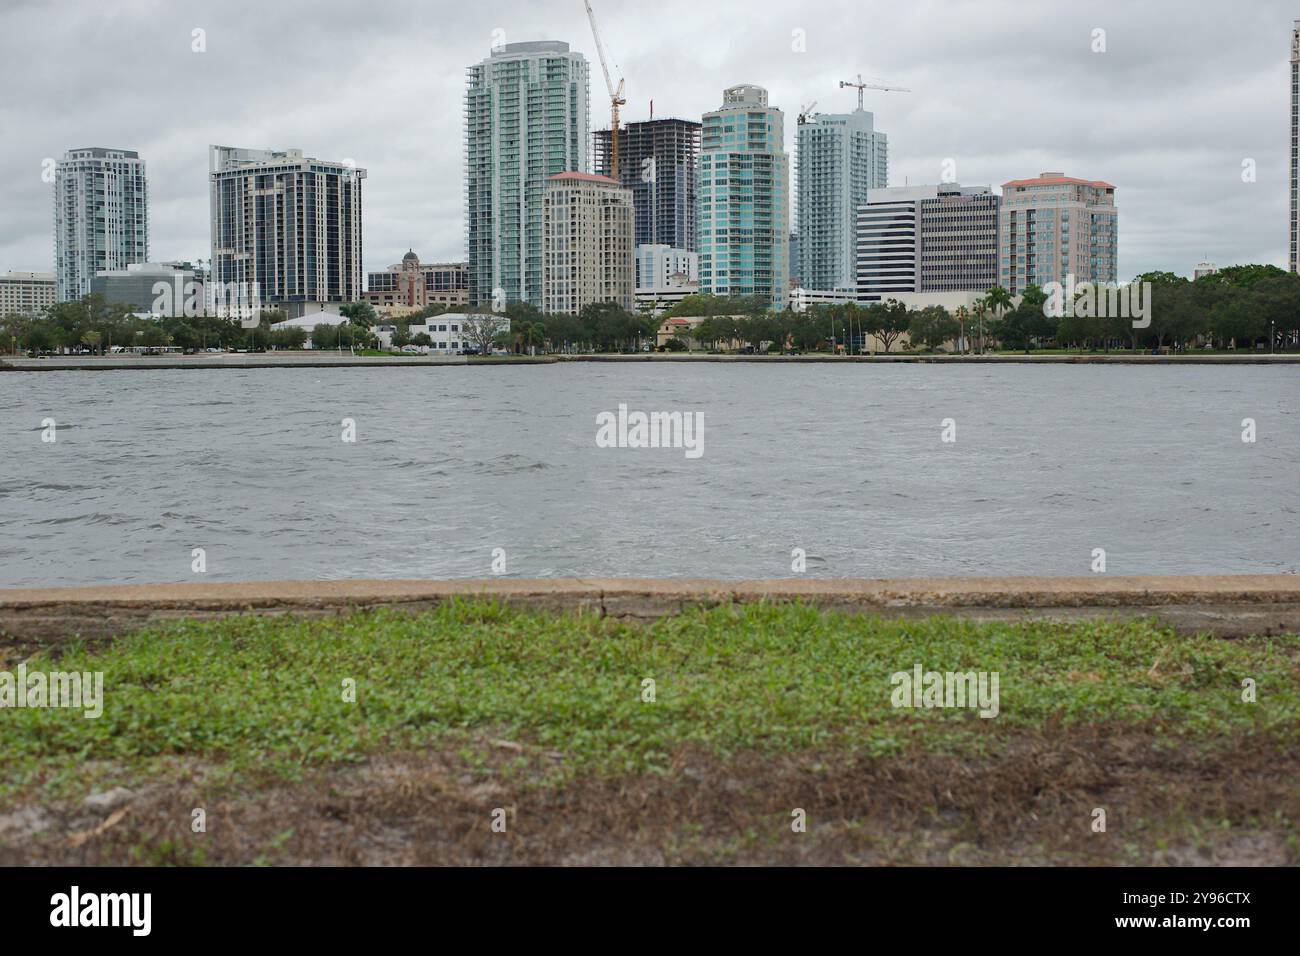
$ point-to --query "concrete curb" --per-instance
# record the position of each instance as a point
(308, 360)
(1226, 605)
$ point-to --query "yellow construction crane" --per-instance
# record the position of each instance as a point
(615, 95)
(871, 86)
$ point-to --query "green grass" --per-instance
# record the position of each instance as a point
(264, 694)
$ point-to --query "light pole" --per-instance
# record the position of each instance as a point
(1272, 334)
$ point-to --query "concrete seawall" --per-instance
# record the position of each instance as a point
(1227, 605)
(333, 360)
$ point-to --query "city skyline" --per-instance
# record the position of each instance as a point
(1003, 96)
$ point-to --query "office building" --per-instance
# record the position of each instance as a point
(526, 119)
(927, 239)
(101, 216)
(156, 288)
(840, 157)
(744, 201)
(26, 293)
(1054, 226)
(657, 160)
(588, 253)
(286, 228)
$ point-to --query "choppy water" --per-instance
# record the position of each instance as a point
(450, 463)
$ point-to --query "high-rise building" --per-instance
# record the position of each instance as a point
(1055, 226)
(1294, 257)
(587, 247)
(411, 285)
(26, 293)
(1204, 268)
(744, 218)
(941, 238)
(526, 119)
(840, 157)
(101, 216)
(286, 227)
(657, 160)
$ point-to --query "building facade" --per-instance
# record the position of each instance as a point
(526, 119)
(286, 227)
(840, 157)
(412, 285)
(1294, 253)
(26, 293)
(744, 201)
(588, 253)
(1054, 226)
(101, 216)
(927, 239)
(657, 160)
(157, 288)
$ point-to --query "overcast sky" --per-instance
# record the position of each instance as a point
(1183, 93)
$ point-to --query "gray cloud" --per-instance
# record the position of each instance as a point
(1006, 88)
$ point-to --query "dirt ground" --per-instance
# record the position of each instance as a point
(1031, 802)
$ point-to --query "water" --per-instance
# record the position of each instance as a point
(450, 463)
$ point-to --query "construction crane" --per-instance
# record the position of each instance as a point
(871, 86)
(806, 111)
(615, 95)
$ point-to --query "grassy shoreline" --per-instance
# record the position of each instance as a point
(767, 702)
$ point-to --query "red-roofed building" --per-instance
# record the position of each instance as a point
(1055, 226)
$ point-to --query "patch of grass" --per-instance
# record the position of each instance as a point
(265, 695)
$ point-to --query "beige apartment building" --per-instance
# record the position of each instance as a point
(1054, 226)
(588, 251)
(26, 293)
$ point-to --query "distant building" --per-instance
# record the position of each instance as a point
(101, 216)
(795, 281)
(447, 332)
(840, 157)
(665, 276)
(1204, 269)
(287, 226)
(526, 119)
(657, 161)
(26, 293)
(1294, 216)
(587, 249)
(925, 239)
(412, 285)
(744, 217)
(158, 288)
(1055, 226)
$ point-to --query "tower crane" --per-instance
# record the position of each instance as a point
(806, 111)
(860, 85)
(615, 95)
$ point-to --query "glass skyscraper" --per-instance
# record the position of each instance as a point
(744, 199)
(526, 119)
(101, 216)
(840, 156)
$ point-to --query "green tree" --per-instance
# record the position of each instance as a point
(931, 326)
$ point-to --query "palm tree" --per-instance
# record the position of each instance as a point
(980, 309)
(999, 301)
(961, 315)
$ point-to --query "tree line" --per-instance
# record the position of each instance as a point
(1237, 307)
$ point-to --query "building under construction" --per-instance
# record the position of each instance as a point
(657, 160)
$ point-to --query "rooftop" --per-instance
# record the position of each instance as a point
(587, 178)
(1057, 179)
